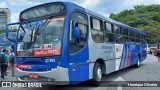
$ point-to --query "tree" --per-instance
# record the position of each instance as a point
(145, 18)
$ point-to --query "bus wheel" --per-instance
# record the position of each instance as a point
(97, 74)
(138, 63)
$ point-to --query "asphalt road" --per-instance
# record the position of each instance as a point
(149, 70)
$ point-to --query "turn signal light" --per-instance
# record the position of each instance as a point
(15, 66)
(59, 62)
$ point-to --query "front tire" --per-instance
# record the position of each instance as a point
(97, 74)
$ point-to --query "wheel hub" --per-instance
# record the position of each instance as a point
(99, 74)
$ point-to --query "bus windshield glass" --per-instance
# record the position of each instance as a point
(40, 38)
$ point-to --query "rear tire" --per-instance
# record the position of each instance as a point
(97, 74)
(138, 63)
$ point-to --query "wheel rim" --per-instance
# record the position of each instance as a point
(99, 74)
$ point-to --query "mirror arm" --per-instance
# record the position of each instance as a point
(7, 31)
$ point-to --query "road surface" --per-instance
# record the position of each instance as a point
(149, 70)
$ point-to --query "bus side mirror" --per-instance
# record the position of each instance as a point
(11, 31)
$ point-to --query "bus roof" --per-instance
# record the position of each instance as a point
(115, 22)
(69, 5)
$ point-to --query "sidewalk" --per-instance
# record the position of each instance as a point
(9, 77)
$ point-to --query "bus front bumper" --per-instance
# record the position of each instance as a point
(57, 76)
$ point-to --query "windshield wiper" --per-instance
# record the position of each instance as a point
(40, 29)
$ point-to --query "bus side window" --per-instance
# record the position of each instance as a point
(109, 32)
(118, 34)
(78, 32)
(97, 30)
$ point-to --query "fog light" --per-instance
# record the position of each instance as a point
(73, 70)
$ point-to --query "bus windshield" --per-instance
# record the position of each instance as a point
(40, 38)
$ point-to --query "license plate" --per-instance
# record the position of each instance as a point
(33, 76)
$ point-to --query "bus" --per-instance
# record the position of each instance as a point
(61, 41)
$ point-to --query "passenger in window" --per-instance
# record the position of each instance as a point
(76, 33)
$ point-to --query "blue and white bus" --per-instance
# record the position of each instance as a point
(61, 41)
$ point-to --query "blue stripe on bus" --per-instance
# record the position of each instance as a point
(128, 56)
(134, 51)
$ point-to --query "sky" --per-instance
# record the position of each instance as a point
(103, 7)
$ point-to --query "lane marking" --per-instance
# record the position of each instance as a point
(119, 85)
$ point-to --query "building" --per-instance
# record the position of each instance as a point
(5, 17)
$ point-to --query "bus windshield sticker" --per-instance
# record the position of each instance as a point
(47, 46)
(47, 52)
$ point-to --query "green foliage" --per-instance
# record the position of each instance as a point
(2, 31)
(10, 30)
(145, 18)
